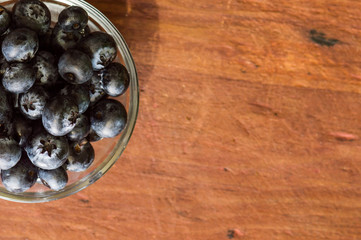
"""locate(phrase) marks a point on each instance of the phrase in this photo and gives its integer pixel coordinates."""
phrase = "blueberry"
(96, 91)
(21, 177)
(55, 179)
(73, 18)
(62, 40)
(46, 69)
(75, 67)
(10, 153)
(108, 118)
(46, 151)
(5, 19)
(32, 103)
(20, 45)
(18, 77)
(80, 157)
(100, 47)
(114, 79)
(60, 115)
(23, 129)
(93, 137)
(81, 129)
(80, 95)
(32, 14)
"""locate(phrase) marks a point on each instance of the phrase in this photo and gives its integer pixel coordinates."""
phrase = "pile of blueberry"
(54, 98)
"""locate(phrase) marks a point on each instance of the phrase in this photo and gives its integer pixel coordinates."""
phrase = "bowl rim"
(105, 165)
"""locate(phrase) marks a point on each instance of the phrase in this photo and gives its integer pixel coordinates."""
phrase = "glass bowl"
(107, 151)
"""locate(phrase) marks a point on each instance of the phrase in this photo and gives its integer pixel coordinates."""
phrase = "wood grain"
(249, 128)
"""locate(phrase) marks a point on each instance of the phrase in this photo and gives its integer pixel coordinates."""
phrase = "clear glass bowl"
(107, 151)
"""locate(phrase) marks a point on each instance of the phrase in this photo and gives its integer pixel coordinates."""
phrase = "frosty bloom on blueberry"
(57, 80)
(45, 69)
(21, 177)
(32, 14)
(18, 77)
(75, 67)
(55, 179)
(32, 103)
(100, 47)
(73, 18)
(20, 45)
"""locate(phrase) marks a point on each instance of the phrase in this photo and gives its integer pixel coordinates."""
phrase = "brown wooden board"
(249, 128)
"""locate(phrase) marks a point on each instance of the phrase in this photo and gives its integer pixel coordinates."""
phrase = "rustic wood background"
(249, 128)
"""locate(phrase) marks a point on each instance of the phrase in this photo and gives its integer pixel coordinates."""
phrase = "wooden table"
(249, 128)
